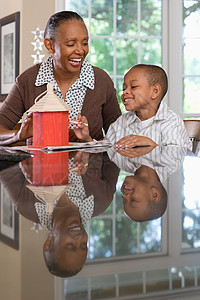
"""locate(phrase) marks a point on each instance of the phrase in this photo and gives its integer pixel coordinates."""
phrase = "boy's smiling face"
(137, 93)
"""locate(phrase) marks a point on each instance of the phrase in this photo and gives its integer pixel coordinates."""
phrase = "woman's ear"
(156, 91)
(49, 45)
(47, 243)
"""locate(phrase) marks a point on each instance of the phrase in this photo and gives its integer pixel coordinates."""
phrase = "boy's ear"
(49, 45)
(155, 194)
(156, 91)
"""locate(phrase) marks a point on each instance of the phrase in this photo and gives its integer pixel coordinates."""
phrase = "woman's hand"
(80, 163)
(26, 129)
(7, 136)
(134, 140)
(27, 169)
(81, 128)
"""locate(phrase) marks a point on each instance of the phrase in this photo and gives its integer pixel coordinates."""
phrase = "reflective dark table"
(83, 225)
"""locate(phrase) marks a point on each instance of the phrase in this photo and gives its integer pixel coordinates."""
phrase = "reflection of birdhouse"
(48, 194)
(50, 121)
(50, 168)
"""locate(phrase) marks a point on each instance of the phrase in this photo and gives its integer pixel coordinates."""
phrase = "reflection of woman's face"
(70, 238)
(70, 46)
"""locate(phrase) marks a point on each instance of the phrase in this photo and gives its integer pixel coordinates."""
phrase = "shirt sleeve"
(111, 134)
(176, 135)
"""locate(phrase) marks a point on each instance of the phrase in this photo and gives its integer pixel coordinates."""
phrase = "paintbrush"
(77, 122)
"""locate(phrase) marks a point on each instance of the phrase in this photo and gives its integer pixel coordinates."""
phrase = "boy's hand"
(135, 152)
(81, 128)
(134, 140)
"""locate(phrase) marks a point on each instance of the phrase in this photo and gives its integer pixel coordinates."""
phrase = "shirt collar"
(45, 74)
(161, 114)
(162, 111)
(86, 77)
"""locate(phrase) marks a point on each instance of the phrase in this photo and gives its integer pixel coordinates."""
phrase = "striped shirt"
(165, 128)
(164, 160)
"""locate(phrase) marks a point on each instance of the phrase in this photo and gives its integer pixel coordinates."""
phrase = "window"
(127, 32)
(190, 205)
(112, 235)
(191, 60)
(122, 34)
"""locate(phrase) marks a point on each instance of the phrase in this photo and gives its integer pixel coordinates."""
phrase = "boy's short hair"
(155, 74)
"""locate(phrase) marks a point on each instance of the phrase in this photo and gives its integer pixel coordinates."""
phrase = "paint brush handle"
(76, 122)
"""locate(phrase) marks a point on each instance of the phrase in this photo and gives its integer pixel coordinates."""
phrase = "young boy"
(148, 121)
(143, 195)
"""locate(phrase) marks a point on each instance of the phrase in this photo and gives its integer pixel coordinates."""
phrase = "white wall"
(15, 265)
(32, 14)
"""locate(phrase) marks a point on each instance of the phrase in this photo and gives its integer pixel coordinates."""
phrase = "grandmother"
(87, 89)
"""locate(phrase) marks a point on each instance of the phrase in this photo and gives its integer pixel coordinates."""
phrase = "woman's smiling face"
(70, 46)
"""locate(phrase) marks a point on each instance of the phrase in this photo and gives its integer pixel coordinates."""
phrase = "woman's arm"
(7, 136)
(24, 131)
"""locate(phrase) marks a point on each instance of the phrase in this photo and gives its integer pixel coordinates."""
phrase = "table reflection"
(110, 209)
(62, 192)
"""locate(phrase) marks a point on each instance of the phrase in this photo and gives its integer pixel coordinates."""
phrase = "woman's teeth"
(76, 60)
(74, 228)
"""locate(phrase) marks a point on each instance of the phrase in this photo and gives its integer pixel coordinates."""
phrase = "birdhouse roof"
(50, 102)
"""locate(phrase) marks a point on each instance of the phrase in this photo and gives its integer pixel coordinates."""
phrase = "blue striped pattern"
(164, 160)
(165, 128)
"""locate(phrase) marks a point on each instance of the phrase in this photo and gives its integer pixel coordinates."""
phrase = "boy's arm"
(134, 140)
(176, 135)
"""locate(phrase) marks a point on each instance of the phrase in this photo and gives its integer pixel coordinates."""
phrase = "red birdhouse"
(50, 121)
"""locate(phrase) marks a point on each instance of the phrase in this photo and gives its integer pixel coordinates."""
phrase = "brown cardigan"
(100, 105)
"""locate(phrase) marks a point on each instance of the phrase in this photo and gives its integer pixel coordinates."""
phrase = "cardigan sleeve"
(20, 98)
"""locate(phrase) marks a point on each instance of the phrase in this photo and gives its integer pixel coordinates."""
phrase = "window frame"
(172, 62)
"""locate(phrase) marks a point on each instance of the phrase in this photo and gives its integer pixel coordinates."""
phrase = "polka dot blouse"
(76, 93)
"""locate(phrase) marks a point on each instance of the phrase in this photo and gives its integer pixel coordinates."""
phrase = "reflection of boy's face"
(136, 90)
(136, 197)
